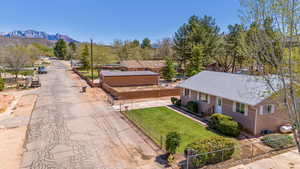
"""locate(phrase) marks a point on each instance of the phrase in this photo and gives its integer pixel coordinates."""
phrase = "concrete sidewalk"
(140, 105)
(288, 160)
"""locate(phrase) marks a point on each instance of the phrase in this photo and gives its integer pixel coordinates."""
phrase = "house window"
(204, 97)
(186, 92)
(240, 108)
(267, 109)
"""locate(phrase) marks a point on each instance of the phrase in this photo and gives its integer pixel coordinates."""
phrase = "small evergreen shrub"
(278, 141)
(173, 140)
(225, 125)
(178, 103)
(1, 84)
(192, 106)
(213, 145)
(174, 100)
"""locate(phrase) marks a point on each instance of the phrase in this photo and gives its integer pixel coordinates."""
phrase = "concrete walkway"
(288, 160)
(68, 131)
(144, 104)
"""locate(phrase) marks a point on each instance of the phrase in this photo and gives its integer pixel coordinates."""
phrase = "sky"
(107, 20)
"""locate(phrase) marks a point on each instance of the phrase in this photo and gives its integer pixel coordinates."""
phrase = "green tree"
(146, 43)
(197, 31)
(173, 141)
(60, 49)
(1, 84)
(196, 62)
(84, 57)
(169, 71)
(72, 50)
(234, 45)
(136, 43)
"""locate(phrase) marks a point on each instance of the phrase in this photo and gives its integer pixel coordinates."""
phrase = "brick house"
(128, 78)
(245, 98)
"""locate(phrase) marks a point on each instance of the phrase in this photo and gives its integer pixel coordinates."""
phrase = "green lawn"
(159, 121)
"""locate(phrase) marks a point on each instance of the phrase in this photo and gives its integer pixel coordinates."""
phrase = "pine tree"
(169, 71)
(60, 49)
(146, 43)
(84, 57)
(196, 62)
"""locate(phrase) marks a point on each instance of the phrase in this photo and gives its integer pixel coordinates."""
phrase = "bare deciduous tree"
(273, 43)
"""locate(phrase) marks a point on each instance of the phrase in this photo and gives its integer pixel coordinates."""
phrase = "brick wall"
(140, 94)
(123, 81)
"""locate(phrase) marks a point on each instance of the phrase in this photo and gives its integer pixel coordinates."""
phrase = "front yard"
(159, 121)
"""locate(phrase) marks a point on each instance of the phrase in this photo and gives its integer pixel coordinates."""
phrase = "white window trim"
(261, 112)
(234, 108)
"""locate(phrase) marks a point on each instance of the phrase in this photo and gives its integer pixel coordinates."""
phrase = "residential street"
(68, 131)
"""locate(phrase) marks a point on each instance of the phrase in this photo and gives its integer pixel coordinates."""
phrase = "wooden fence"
(140, 94)
(89, 82)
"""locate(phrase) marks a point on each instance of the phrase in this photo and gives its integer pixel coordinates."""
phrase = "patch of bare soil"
(12, 139)
(5, 101)
(11, 147)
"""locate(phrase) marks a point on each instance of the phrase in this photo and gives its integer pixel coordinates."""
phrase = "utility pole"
(92, 61)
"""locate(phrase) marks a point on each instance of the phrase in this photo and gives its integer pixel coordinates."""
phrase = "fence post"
(187, 158)
(222, 155)
(161, 142)
(251, 151)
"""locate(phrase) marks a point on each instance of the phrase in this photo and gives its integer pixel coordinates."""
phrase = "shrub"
(278, 141)
(173, 140)
(213, 145)
(192, 106)
(1, 84)
(225, 125)
(178, 103)
(174, 100)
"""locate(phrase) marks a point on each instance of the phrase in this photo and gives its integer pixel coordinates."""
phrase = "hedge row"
(220, 149)
(225, 125)
(278, 141)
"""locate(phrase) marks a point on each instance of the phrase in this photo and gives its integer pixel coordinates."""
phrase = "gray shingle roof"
(128, 73)
(246, 89)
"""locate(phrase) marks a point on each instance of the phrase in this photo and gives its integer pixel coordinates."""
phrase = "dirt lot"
(13, 133)
(5, 101)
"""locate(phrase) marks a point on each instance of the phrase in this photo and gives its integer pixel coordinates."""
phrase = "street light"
(92, 61)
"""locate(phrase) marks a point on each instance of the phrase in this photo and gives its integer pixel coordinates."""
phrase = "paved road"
(69, 132)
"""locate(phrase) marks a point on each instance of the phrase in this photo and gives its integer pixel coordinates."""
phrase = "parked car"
(42, 70)
(35, 82)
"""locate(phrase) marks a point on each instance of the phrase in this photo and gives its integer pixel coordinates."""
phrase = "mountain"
(9, 41)
(37, 35)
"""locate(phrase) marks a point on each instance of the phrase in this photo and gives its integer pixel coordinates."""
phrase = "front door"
(219, 105)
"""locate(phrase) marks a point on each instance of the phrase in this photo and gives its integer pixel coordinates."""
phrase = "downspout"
(255, 122)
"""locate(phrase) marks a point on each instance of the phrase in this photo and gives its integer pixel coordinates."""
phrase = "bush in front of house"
(192, 106)
(209, 151)
(174, 100)
(1, 84)
(225, 125)
(278, 141)
(178, 103)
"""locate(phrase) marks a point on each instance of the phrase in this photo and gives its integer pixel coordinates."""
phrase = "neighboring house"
(143, 65)
(128, 78)
(245, 98)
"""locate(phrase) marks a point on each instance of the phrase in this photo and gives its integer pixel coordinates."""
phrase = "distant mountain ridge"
(37, 35)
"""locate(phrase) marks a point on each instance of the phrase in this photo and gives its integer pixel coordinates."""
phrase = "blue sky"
(107, 20)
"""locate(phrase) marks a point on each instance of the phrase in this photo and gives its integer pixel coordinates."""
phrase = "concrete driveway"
(67, 131)
(288, 160)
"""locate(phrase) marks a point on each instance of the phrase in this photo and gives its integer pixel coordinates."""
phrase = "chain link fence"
(244, 152)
